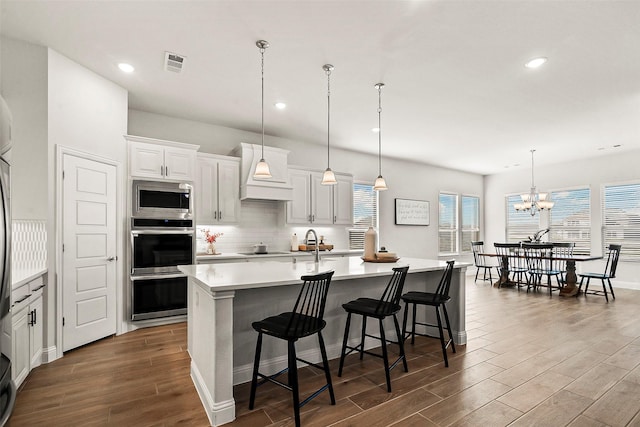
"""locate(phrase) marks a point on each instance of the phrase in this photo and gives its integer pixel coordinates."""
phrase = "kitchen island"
(224, 299)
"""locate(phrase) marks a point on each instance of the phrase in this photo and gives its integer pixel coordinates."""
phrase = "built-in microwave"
(164, 200)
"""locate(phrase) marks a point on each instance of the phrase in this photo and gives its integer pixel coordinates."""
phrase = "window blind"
(520, 225)
(448, 223)
(365, 213)
(621, 219)
(571, 219)
(470, 222)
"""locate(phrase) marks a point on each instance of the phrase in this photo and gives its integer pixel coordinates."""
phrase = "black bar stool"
(303, 321)
(437, 300)
(387, 305)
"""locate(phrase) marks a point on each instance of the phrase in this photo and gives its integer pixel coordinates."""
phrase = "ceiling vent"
(173, 62)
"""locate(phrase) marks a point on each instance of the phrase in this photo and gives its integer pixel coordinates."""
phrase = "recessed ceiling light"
(376, 130)
(280, 105)
(535, 62)
(127, 68)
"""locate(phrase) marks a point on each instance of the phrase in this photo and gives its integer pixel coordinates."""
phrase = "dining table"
(570, 287)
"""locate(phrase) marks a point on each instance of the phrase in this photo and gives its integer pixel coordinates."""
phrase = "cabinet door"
(35, 333)
(20, 346)
(321, 201)
(228, 191)
(206, 194)
(147, 160)
(343, 200)
(179, 164)
(299, 208)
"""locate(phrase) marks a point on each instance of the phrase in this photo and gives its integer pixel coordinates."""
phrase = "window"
(621, 219)
(365, 213)
(571, 219)
(520, 225)
(448, 223)
(470, 222)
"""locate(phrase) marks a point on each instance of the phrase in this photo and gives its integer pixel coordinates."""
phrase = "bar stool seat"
(387, 305)
(437, 300)
(305, 320)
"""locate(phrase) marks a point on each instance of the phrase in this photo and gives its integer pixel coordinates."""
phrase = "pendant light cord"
(532, 181)
(328, 70)
(262, 107)
(379, 130)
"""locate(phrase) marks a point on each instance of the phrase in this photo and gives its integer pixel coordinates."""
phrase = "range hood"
(278, 187)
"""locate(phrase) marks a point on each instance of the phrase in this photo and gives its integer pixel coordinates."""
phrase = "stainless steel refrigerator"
(7, 387)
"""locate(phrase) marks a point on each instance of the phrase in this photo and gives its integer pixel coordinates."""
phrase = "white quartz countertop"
(236, 276)
(235, 255)
(21, 276)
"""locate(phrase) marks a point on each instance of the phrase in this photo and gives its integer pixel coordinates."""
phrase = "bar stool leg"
(413, 325)
(611, 288)
(293, 381)
(444, 348)
(254, 378)
(446, 317)
(325, 364)
(400, 343)
(344, 343)
(404, 322)
(385, 358)
(604, 288)
(364, 330)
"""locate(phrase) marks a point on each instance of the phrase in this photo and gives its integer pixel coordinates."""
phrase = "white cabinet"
(26, 329)
(217, 189)
(157, 159)
(314, 203)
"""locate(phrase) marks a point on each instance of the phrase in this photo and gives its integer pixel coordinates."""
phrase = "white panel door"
(343, 200)
(89, 253)
(147, 160)
(321, 201)
(206, 197)
(179, 164)
(299, 208)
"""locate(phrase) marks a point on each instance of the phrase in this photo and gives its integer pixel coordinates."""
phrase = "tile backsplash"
(264, 221)
(28, 244)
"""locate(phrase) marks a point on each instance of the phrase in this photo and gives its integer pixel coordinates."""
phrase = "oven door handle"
(157, 276)
(138, 232)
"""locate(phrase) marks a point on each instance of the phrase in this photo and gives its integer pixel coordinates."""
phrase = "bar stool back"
(306, 319)
(387, 305)
(437, 300)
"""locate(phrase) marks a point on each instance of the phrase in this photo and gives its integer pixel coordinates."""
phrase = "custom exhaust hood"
(277, 187)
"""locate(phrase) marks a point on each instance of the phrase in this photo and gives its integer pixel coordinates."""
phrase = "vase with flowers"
(211, 238)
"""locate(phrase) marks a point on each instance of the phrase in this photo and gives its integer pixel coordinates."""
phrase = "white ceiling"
(457, 93)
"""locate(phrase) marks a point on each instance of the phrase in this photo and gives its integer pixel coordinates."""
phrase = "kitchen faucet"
(315, 236)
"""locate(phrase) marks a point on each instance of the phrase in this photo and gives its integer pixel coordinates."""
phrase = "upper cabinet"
(314, 203)
(217, 189)
(157, 159)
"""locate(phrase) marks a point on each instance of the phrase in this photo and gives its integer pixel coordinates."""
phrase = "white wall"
(405, 179)
(86, 113)
(614, 168)
(24, 87)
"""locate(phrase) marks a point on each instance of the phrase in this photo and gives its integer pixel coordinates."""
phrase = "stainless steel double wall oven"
(162, 238)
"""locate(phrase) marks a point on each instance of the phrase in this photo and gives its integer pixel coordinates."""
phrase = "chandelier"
(534, 201)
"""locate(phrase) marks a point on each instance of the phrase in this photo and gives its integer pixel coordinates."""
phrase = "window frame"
(525, 229)
(632, 252)
(461, 248)
(584, 249)
(455, 231)
(359, 230)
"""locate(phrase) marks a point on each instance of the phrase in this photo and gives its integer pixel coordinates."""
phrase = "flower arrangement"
(211, 237)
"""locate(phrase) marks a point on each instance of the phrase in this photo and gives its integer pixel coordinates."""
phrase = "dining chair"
(511, 252)
(388, 305)
(482, 262)
(437, 300)
(539, 259)
(562, 250)
(613, 254)
(305, 320)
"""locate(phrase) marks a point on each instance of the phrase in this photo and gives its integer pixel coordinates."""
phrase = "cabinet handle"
(22, 299)
(161, 170)
(220, 215)
(334, 219)
(39, 287)
(215, 215)
(166, 171)
(313, 218)
(32, 317)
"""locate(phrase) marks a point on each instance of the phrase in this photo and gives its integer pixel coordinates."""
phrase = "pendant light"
(380, 184)
(262, 168)
(534, 201)
(328, 178)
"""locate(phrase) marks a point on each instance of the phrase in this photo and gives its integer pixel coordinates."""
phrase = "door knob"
(111, 258)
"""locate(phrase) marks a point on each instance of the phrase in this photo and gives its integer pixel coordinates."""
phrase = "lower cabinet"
(26, 330)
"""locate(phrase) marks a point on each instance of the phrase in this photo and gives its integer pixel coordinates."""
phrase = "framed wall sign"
(412, 212)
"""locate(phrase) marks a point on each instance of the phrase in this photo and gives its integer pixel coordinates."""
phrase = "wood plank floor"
(530, 360)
